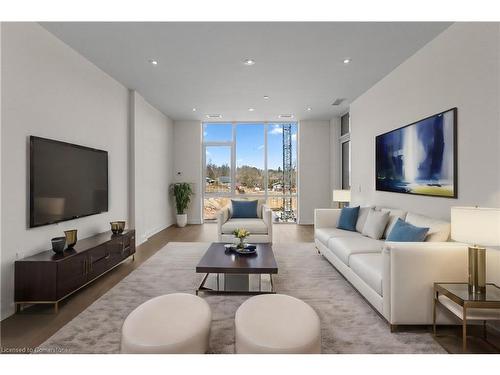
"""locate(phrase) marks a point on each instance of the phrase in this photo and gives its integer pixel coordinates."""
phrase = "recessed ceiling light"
(194, 109)
(347, 61)
(249, 62)
(309, 108)
(153, 61)
(251, 109)
(266, 97)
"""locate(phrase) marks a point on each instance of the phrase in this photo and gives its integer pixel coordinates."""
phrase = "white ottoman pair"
(174, 323)
(180, 323)
(277, 324)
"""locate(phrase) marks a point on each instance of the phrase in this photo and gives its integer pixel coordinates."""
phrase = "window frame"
(233, 165)
(345, 138)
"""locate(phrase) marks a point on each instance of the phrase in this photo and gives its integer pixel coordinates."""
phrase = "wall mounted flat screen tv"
(67, 181)
(420, 158)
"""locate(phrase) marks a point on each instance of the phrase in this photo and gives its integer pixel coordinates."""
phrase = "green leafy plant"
(182, 192)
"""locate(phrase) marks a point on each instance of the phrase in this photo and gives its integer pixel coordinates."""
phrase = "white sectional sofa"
(395, 277)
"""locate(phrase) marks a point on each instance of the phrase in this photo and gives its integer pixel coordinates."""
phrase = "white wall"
(314, 168)
(51, 91)
(153, 134)
(188, 163)
(459, 68)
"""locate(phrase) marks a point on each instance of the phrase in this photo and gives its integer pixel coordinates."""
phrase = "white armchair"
(261, 229)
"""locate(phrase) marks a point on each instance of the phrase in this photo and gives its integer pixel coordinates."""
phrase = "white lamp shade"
(341, 195)
(476, 225)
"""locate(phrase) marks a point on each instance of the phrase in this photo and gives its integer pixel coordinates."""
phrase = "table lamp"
(343, 197)
(480, 227)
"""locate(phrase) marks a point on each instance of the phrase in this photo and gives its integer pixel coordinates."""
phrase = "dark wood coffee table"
(227, 272)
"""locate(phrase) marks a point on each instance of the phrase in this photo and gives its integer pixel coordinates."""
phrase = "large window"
(253, 160)
(345, 151)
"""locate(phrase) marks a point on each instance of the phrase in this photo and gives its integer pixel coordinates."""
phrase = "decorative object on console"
(419, 158)
(348, 218)
(71, 237)
(58, 244)
(343, 197)
(182, 192)
(241, 234)
(481, 227)
(406, 232)
(117, 227)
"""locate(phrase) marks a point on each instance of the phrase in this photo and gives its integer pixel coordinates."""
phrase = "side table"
(466, 306)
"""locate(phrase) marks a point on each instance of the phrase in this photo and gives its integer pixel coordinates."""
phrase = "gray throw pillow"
(362, 215)
(375, 224)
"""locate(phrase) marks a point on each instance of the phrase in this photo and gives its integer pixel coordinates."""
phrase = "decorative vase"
(242, 244)
(58, 244)
(117, 227)
(181, 220)
(71, 237)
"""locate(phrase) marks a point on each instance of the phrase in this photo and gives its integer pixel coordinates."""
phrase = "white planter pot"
(182, 220)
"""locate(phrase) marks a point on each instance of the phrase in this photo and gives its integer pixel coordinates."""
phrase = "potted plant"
(241, 234)
(182, 192)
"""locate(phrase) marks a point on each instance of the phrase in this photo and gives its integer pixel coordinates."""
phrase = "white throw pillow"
(375, 224)
(439, 230)
(362, 215)
(394, 215)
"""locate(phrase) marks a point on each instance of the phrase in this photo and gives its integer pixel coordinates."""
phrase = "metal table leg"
(464, 329)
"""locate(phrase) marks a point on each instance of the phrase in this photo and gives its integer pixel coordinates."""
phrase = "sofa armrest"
(267, 216)
(222, 217)
(410, 270)
(326, 217)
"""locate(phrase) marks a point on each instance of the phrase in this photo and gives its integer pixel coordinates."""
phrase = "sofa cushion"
(375, 224)
(369, 268)
(254, 226)
(242, 209)
(406, 232)
(324, 234)
(439, 230)
(344, 247)
(394, 215)
(362, 215)
(348, 218)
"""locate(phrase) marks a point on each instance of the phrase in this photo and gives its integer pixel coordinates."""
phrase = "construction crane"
(287, 214)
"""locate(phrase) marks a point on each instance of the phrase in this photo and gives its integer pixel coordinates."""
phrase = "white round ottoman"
(173, 323)
(276, 324)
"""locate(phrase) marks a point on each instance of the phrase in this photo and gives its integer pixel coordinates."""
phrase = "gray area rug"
(348, 323)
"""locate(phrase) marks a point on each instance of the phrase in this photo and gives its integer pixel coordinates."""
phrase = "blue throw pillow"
(244, 209)
(406, 232)
(348, 218)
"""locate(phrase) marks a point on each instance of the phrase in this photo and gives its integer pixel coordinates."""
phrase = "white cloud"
(294, 137)
(260, 147)
(276, 129)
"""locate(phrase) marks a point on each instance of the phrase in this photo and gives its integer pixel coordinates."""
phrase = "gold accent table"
(466, 306)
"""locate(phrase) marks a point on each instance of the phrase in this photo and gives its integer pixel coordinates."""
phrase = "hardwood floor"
(37, 323)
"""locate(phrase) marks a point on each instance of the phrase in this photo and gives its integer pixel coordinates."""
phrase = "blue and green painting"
(419, 158)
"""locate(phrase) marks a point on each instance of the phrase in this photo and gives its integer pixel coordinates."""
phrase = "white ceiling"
(298, 65)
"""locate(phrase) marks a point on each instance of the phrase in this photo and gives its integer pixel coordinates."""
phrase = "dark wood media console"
(48, 277)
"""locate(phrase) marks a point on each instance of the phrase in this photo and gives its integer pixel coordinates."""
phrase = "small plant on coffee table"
(241, 234)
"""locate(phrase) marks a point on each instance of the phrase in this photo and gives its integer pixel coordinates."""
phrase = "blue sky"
(249, 144)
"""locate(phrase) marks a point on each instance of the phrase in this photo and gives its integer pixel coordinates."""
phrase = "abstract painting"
(419, 158)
